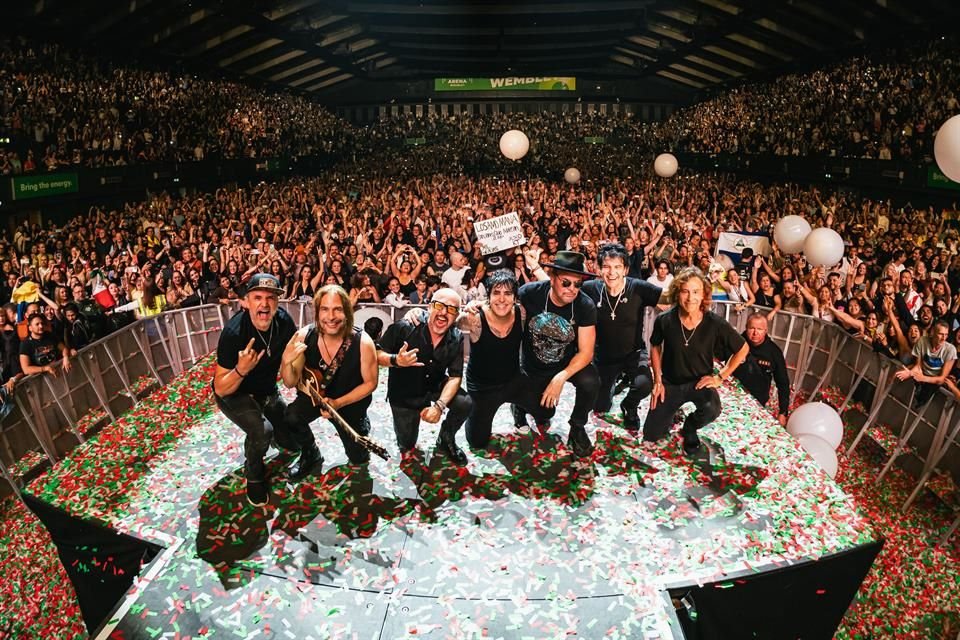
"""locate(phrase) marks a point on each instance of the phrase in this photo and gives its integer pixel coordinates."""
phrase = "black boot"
(447, 443)
(258, 492)
(579, 442)
(309, 461)
(630, 420)
(691, 441)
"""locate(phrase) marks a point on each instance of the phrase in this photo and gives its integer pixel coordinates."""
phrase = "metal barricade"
(109, 376)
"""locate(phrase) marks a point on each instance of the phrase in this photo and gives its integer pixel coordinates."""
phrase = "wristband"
(440, 404)
(393, 359)
(237, 371)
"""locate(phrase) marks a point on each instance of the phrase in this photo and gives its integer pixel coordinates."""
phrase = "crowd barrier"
(54, 414)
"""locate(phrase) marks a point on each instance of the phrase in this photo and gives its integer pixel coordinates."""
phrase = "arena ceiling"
(314, 46)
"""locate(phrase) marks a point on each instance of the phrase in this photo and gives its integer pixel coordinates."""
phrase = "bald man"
(426, 368)
(764, 363)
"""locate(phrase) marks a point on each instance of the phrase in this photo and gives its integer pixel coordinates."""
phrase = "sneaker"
(522, 429)
(258, 493)
(579, 442)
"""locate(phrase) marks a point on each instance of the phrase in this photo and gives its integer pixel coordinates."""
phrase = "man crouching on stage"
(426, 367)
(685, 340)
(342, 364)
(245, 383)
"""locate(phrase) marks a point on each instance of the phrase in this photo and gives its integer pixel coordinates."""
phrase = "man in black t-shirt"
(764, 363)
(245, 383)
(621, 305)
(558, 344)
(40, 350)
(685, 340)
(426, 367)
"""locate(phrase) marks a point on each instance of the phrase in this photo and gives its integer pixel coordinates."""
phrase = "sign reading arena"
(504, 84)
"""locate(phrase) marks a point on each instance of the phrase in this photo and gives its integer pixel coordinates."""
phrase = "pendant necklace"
(613, 307)
(268, 340)
(686, 338)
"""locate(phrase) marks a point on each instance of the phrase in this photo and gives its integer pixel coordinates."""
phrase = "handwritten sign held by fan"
(500, 233)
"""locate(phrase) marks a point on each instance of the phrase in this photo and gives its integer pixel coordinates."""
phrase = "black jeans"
(660, 419)
(528, 389)
(485, 406)
(641, 383)
(302, 412)
(406, 420)
(264, 420)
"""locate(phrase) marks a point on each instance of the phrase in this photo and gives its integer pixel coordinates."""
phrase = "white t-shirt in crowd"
(663, 284)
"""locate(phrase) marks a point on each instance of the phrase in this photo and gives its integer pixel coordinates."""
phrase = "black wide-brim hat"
(571, 262)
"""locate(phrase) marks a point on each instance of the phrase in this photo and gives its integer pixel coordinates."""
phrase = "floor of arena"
(521, 542)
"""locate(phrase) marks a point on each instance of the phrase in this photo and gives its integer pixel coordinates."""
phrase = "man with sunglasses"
(426, 367)
(558, 345)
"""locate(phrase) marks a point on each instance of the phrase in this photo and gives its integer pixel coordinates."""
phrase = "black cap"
(264, 282)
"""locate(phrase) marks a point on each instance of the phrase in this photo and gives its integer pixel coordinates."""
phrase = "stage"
(524, 542)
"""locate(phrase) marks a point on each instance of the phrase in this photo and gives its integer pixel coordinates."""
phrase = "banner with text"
(500, 233)
(40, 186)
(505, 84)
(935, 178)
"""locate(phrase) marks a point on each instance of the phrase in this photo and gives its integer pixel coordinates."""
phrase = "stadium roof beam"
(516, 8)
(249, 51)
(681, 79)
(272, 62)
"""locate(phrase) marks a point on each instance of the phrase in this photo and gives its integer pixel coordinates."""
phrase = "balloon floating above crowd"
(823, 247)
(821, 452)
(572, 175)
(946, 148)
(790, 233)
(665, 165)
(514, 144)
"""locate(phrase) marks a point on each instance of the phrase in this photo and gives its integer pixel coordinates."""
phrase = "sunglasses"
(449, 308)
(576, 284)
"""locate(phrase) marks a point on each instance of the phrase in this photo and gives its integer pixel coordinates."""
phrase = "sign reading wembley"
(500, 233)
(505, 84)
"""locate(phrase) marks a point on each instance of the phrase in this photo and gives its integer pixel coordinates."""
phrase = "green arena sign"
(505, 84)
(42, 186)
(935, 178)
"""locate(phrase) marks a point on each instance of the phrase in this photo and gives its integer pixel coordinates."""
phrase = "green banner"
(935, 178)
(594, 139)
(413, 142)
(41, 186)
(505, 84)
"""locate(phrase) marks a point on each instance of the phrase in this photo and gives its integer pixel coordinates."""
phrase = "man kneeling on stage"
(764, 363)
(340, 362)
(426, 367)
(245, 382)
(682, 348)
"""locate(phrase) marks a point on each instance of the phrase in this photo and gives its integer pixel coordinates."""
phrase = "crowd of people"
(398, 241)
(61, 108)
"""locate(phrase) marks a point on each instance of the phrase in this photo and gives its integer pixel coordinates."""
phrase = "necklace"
(267, 340)
(686, 338)
(613, 307)
(327, 353)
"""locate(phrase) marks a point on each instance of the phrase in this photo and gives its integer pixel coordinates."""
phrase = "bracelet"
(440, 404)
(393, 359)
(237, 371)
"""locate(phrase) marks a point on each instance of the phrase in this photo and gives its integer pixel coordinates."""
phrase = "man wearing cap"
(249, 354)
(557, 347)
(426, 367)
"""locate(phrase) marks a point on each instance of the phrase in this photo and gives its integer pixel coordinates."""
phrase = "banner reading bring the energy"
(505, 84)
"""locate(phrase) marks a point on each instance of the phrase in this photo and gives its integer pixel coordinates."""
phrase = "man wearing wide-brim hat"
(557, 347)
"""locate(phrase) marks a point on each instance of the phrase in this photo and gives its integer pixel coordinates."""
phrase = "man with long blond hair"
(343, 360)
(686, 338)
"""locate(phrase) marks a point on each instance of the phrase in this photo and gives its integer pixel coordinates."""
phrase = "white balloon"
(823, 247)
(665, 165)
(790, 233)
(725, 260)
(816, 419)
(514, 144)
(821, 452)
(946, 148)
(572, 175)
